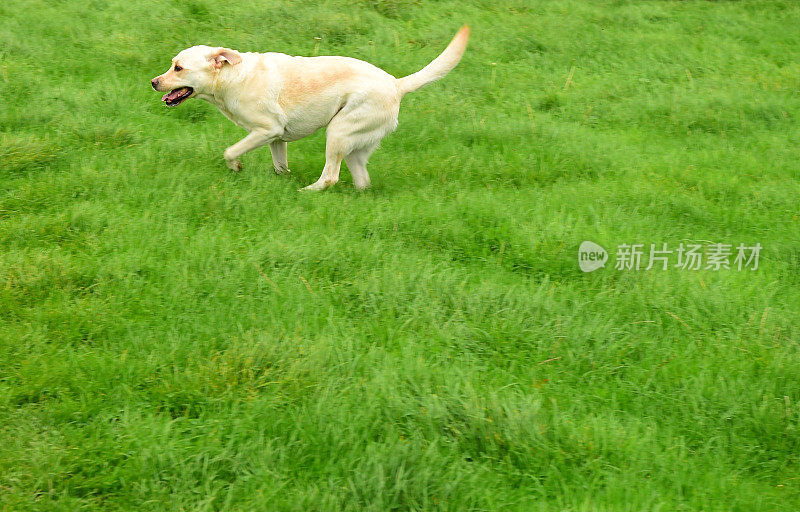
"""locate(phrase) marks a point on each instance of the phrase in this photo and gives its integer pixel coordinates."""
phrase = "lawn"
(178, 337)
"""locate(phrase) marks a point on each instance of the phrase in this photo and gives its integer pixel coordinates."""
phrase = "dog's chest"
(246, 114)
(227, 113)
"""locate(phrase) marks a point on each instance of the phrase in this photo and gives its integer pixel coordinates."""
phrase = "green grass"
(174, 336)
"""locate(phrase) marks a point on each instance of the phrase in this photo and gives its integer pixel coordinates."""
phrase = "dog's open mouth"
(177, 96)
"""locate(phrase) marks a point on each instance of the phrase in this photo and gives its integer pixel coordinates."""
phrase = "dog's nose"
(154, 83)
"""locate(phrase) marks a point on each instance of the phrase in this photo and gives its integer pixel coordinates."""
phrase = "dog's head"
(193, 71)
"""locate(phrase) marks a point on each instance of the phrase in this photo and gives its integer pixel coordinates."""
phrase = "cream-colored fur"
(278, 98)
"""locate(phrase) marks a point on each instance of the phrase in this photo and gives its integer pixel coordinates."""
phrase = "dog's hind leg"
(354, 133)
(280, 157)
(357, 164)
(334, 152)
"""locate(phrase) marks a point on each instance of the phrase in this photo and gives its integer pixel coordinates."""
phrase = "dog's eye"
(178, 68)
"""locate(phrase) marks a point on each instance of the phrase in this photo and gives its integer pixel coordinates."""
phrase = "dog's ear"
(223, 55)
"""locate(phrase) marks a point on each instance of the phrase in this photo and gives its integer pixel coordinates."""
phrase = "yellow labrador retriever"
(278, 98)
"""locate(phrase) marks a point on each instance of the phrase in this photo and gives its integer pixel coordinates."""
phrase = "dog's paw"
(234, 165)
(313, 187)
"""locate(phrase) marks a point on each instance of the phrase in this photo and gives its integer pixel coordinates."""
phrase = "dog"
(280, 98)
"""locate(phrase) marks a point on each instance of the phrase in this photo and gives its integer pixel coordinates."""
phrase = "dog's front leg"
(280, 157)
(254, 139)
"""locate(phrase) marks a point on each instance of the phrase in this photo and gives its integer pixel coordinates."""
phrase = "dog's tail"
(439, 67)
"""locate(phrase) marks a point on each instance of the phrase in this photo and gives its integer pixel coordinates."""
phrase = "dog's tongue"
(172, 95)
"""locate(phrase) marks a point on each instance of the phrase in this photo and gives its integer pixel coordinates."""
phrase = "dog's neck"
(222, 93)
(223, 85)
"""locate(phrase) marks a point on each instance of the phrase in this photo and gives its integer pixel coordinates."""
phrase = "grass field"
(175, 336)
